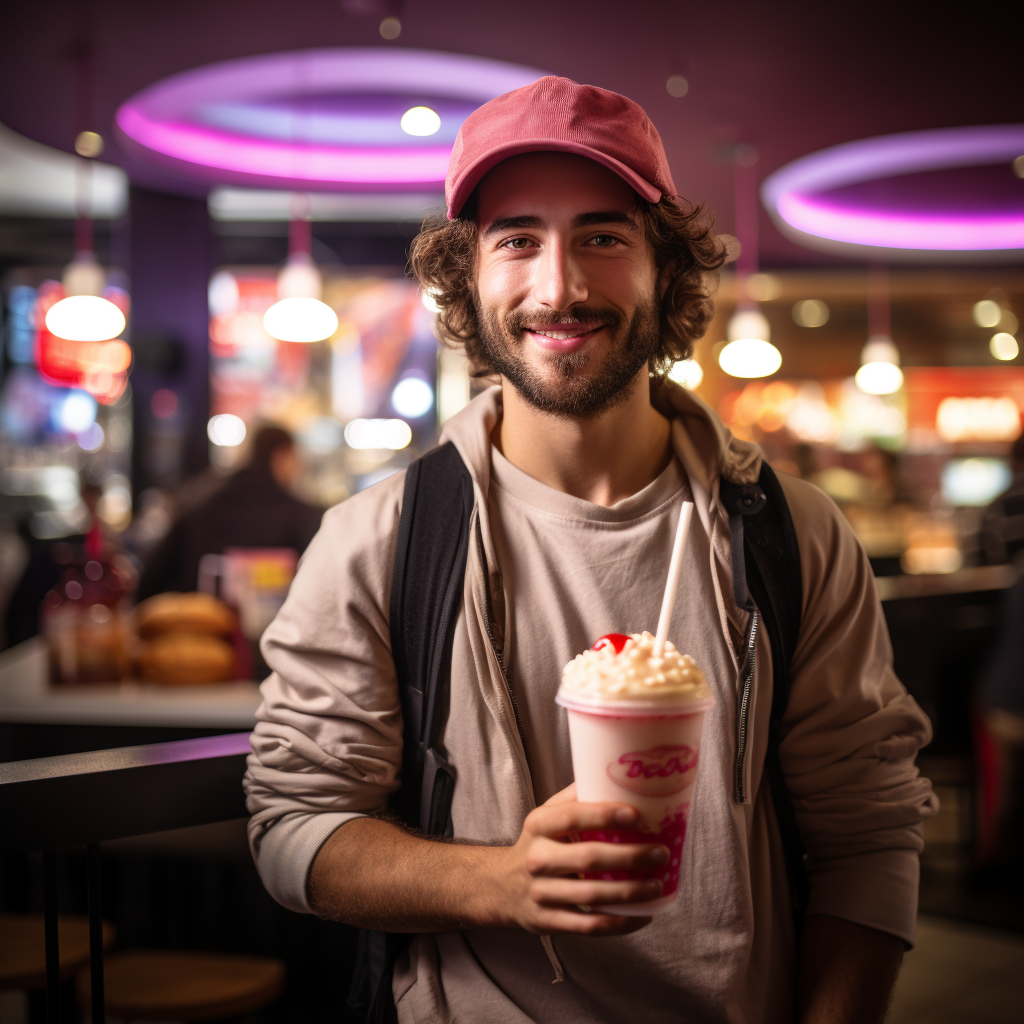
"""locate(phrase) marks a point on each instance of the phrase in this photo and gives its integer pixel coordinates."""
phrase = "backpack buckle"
(744, 499)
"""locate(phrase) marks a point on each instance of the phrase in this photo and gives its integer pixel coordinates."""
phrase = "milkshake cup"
(635, 724)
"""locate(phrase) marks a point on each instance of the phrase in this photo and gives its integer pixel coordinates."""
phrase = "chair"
(170, 985)
(23, 948)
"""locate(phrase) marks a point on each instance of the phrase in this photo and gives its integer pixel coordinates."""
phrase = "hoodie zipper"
(744, 711)
(494, 643)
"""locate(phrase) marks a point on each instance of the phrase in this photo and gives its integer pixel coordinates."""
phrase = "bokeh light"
(378, 433)
(85, 318)
(987, 313)
(687, 372)
(763, 287)
(77, 412)
(879, 378)
(164, 404)
(677, 85)
(412, 397)
(1004, 346)
(810, 313)
(421, 121)
(91, 439)
(300, 319)
(750, 357)
(89, 144)
(226, 430)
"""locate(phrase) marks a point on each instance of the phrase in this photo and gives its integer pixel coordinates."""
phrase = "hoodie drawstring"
(549, 948)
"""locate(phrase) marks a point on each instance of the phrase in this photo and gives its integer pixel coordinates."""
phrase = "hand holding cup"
(547, 891)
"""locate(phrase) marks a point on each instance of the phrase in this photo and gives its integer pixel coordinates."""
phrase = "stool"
(23, 948)
(151, 984)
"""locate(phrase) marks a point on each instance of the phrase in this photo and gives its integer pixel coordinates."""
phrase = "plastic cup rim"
(634, 708)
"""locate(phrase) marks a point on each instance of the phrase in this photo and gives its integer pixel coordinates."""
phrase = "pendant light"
(299, 315)
(749, 352)
(84, 314)
(879, 372)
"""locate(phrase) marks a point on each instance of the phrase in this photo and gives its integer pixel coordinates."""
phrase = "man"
(252, 508)
(568, 267)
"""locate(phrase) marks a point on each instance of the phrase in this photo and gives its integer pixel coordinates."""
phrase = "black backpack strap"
(766, 575)
(426, 594)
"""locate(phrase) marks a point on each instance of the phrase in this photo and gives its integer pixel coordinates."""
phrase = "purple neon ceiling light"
(797, 196)
(172, 122)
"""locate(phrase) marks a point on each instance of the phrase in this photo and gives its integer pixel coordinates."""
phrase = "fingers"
(560, 892)
(547, 857)
(569, 816)
(566, 920)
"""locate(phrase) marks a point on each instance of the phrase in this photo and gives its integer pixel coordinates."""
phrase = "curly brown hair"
(686, 254)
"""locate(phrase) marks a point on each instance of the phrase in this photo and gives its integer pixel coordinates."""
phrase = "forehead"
(552, 186)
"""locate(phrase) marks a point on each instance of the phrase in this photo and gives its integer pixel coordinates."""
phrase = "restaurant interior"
(205, 215)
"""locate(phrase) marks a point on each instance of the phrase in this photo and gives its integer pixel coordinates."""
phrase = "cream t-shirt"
(572, 572)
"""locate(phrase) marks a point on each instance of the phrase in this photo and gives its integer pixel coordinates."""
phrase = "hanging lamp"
(299, 314)
(749, 352)
(84, 314)
(879, 372)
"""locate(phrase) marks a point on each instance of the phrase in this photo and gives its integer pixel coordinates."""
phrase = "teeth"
(561, 335)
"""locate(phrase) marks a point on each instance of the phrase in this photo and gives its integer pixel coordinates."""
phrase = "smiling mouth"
(563, 337)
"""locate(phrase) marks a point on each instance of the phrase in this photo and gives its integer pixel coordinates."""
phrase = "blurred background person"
(251, 508)
(1002, 524)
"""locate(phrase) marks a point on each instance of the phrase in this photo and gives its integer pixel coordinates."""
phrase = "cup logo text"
(659, 771)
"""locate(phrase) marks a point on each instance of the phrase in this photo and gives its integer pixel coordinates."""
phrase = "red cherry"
(616, 640)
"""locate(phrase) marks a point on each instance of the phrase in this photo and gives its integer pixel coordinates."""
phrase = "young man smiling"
(568, 268)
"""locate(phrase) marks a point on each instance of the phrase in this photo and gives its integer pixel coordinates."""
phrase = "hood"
(704, 444)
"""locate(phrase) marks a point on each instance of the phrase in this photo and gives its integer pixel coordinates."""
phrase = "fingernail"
(625, 815)
(658, 856)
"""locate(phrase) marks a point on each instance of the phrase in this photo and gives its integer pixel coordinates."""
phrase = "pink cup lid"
(668, 708)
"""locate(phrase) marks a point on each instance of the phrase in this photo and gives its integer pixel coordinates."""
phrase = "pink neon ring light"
(793, 196)
(163, 123)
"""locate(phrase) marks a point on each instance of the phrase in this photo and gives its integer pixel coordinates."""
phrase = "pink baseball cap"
(561, 115)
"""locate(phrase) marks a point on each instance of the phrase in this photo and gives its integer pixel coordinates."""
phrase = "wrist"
(487, 898)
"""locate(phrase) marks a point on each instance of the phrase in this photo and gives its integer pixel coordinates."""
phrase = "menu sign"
(966, 404)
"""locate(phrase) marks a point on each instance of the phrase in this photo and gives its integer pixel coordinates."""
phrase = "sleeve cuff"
(876, 889)
(285, 852)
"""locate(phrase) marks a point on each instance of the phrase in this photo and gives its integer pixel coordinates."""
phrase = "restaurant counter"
(942, 629)
(38, 719)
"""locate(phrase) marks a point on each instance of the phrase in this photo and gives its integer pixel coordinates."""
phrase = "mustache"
(519, 320)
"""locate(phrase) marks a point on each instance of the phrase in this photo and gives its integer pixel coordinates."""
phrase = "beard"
(567, 389)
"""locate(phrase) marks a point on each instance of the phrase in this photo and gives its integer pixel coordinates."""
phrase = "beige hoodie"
(327, 747)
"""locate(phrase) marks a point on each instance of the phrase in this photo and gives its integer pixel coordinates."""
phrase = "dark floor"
(960, 974)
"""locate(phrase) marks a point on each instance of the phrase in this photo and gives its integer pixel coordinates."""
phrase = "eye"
(515, 243)
(604, 241)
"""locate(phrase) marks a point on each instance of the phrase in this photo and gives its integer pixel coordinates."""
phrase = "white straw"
(672, 585)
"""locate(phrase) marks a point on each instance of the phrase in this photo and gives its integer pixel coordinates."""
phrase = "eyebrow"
(581, 220)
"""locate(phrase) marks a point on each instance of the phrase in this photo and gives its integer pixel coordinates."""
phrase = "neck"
(602, 460)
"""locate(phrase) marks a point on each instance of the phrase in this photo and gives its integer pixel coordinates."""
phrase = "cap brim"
(471, 176)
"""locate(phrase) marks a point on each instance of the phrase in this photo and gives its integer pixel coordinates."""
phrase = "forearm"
(373, 874)
(847, 972)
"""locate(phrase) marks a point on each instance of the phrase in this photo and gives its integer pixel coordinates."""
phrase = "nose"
(558, 282)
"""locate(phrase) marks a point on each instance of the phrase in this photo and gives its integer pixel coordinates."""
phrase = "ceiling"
(788, 78)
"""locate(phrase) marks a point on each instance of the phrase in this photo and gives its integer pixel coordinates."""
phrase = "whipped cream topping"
(635, 673)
